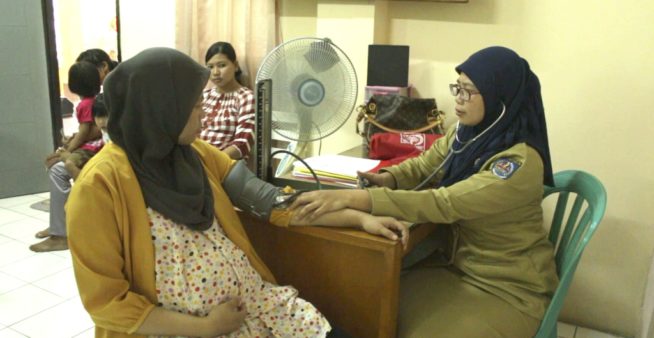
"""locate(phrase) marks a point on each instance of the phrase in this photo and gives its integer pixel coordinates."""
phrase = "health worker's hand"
(384, 179)
(388, 227)
(312, 204)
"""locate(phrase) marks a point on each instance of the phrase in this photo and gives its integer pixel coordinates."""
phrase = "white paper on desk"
(339, 164)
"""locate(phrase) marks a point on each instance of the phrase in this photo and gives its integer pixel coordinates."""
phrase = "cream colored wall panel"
(298, 18)
(145, 24)
(351, 27)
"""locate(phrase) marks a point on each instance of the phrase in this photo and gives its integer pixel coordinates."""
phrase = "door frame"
(53, 66)
(53, 71)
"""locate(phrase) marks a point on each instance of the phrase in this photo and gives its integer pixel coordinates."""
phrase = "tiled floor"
(38, 296)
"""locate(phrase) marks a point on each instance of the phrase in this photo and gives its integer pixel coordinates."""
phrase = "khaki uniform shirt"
(502, 246)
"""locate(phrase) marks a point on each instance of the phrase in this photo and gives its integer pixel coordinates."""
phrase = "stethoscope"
(451, 151)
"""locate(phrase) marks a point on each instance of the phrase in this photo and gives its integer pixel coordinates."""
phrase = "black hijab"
(504, 79)
(150, 98)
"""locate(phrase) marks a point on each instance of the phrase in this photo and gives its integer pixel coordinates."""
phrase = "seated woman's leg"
(59, 190)
(435, 302)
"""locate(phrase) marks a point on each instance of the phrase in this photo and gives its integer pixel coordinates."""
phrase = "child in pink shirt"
(83, 80)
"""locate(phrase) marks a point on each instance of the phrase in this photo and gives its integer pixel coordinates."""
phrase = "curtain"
(251, 26)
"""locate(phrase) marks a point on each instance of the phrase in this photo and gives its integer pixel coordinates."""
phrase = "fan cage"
(314, 88)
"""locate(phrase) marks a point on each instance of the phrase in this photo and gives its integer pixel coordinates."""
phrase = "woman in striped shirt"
(229, 106)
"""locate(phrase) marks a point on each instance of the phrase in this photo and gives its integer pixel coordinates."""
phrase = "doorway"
(75, 26)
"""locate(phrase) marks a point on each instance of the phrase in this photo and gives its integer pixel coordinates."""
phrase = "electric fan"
(306, 90)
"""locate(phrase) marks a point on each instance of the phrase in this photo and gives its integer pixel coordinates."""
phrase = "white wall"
(359, 32)
(145, 24)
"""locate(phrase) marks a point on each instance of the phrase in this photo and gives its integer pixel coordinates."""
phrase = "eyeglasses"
(461, 92)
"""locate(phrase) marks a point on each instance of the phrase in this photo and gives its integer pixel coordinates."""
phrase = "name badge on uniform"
(504, 168)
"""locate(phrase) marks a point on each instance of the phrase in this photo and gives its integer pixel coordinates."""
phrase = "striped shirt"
(229, 119)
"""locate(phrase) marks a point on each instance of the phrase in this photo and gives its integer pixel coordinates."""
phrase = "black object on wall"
(388, 65)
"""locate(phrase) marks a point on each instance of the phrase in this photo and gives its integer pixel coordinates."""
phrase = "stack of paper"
(334, 168)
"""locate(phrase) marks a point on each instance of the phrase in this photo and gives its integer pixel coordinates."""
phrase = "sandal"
(43, 234)
(54, 243)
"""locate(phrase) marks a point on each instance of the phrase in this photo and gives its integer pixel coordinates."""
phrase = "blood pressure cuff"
(251, 194)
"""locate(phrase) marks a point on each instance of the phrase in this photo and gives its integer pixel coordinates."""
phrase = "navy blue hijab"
(504, 80)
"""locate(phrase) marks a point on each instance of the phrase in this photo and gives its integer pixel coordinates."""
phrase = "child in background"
(100, 59)
(66, 162)
(101, 117)
(83, 80)
(74, 162)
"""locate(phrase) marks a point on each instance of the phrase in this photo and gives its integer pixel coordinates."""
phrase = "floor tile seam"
(36, 314)
(79, 333)
(13, 205)
(6, 208)
(3, 223)
(18, 332)
(17, 287)
(12, 262)
(46, 223)
(5, 236)
(28, 215)
(36, 217)
(58, 295)
(65, 297)
(14, 330)
(32, 283)
(36, 240)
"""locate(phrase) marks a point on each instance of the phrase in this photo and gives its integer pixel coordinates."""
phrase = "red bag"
(394, 148)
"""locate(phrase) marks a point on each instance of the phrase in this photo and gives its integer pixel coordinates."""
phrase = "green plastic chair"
(570, 241)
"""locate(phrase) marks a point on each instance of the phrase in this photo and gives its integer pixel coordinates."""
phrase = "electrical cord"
(313, 173)
(319, 137)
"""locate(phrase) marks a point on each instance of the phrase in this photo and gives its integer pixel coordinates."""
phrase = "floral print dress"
(197, 270)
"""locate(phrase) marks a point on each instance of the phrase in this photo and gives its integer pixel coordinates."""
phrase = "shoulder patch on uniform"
(504, 168)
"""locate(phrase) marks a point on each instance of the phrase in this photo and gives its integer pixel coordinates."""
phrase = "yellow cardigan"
(110, 241)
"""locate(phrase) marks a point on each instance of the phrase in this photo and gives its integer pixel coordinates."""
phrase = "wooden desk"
(350, 276)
